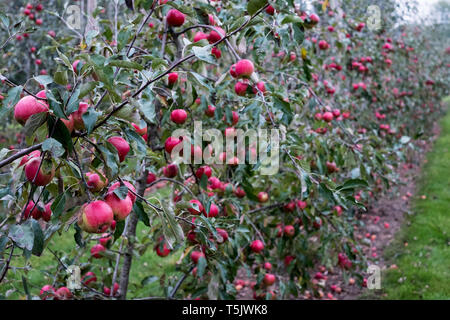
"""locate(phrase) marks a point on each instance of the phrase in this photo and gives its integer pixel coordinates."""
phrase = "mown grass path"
(422, 247)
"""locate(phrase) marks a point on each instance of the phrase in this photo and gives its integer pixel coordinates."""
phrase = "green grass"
(424, 264)
(42, 269)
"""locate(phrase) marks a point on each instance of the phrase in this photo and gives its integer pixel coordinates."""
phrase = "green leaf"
(112, 159)
(121, 192)
(55, 104)
(87, 88)
(126, 64)
(74, 102)
(38, 243)
(44, 80)
(22, 235)
(254, 5)
(54, 147)
(353, 184)
(204, 54)
(148, 280)
(78, 237)
(138, 208)
(120, 226)
(147, 107)
(58, 205)
(11, 100)
(201, 267)
(34, 122)
(60, 133)
(61, 76)
(25, 288)
(90, 118)
(134, 136)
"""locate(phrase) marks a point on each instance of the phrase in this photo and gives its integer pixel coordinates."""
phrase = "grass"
(422, 247)
(42, 269)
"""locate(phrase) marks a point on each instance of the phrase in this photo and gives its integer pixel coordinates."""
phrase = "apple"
(195, 210)
(63, 293)
(77, 65)
(46, 292)
(223, 233)
(327, 116)
(289, 231)
(240, 88)
(260, 86)
(131, 189)
(96, 251)
(210, 111)
(28, 106)
(178, 116)
(170, 171)
(105, 240)
(216, 52)
(214, 36)
(139, 130)
(323, 45)
(161, 249)
(269, 279)
(257, 246)
(290, 207)
(95, 217)
(213, 211)
(233, 71)
(95, 182)
(244, 68)
(173, 77)
(239, 192)
(88, 278)
(170, 143)
(196, 255)
(77, 116)
(175, 18)
(270, 10)
(288, 260)
(107, 290)
(120, 207)
(47, 214)
(268, 266)
(200, 36)
(263, 197)
(39, 7)
(121, 145)
(40, 175)
(33, 154)
(38, 21)
(151, 177)
(36, 214)
(203, 170)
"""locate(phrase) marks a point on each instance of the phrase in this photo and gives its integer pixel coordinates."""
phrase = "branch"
(20, 154)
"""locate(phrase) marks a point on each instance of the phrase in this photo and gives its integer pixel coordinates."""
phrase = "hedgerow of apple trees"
(90, 114)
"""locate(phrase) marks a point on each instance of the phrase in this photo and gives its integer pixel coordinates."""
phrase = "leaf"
(111, 157)
(138, 208)
(74, 102)
(90, 118)
(201, 266)
(3, 241)
(204, 54)
(13, 97)
(44, 80)
(60, 133)
(22, 235)
(147, 107)
(254, 5)
(120, 226)
(134, 136)
(25, 287)
(34, 122)
(201, 81)
(38, 243)
(121, 192)
(126, 64)
(353, 184)
(86, 88)
(78, 237)
(58, 205)
(54, 147)
(56, 105)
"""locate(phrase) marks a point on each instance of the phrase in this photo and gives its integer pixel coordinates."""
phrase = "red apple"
(175, 18)
(178, 116)
(121, 145)
(195, 210)
(244, 68)
(40, 175)
(170, 171)
(196, 255)
(257, 246)
(96, 251)
(120, 207)
(263, 197)
(95, 217)
(28, 106)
